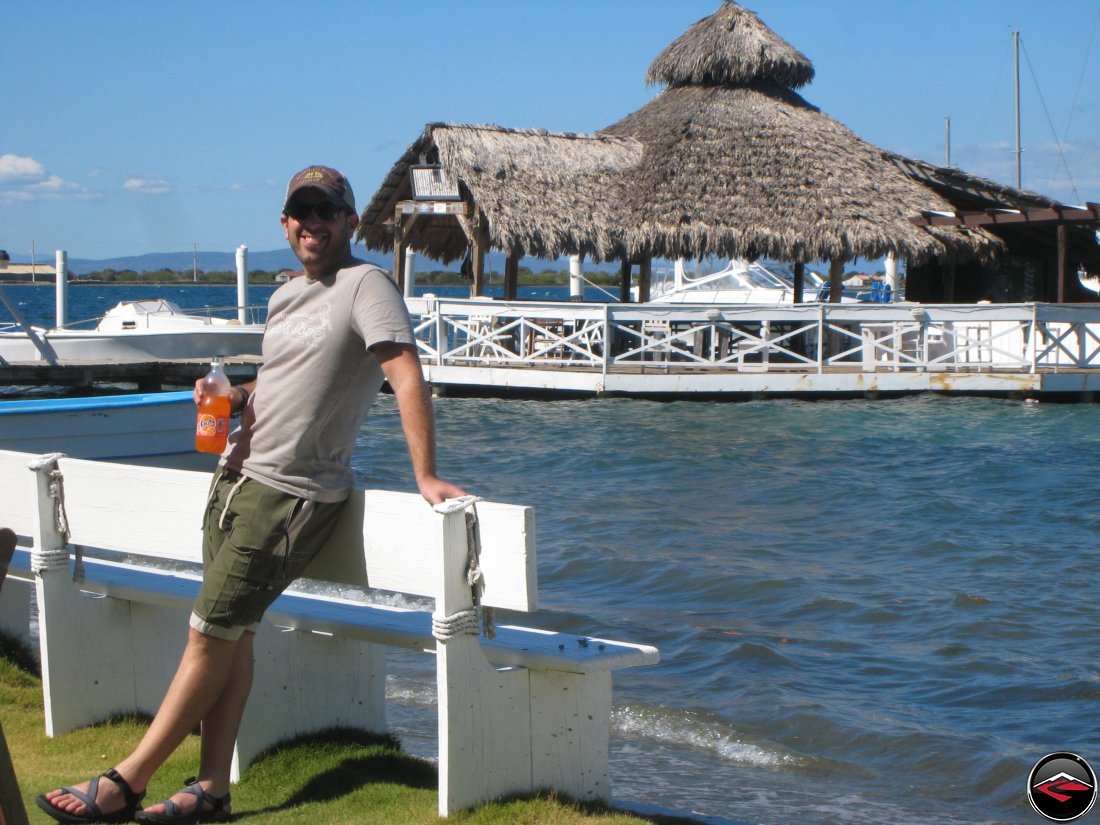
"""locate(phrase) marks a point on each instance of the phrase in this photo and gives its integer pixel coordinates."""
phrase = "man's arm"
(401, 366)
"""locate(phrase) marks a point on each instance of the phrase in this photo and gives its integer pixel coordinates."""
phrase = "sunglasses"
(325, 211)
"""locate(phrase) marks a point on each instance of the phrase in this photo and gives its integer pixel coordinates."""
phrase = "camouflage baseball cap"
(325, 179)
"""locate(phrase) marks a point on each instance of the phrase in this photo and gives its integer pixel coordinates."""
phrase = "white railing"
(1015, 338)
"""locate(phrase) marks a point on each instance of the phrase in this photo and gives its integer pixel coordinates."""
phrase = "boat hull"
(142, 428)
(134, 345)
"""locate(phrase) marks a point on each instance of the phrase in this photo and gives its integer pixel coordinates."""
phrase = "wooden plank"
(149, 511)
(17, 509)
(384, 539)
(387, 540)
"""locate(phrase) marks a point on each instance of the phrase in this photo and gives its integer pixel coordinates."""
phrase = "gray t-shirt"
(318, 380)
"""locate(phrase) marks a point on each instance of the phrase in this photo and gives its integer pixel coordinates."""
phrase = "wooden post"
(511, 276)
(644, 271)
(836, 286)
(481, 239)
(398, 249)
(624, 281)
(799, 281)
(949, 281)
(1063, 255)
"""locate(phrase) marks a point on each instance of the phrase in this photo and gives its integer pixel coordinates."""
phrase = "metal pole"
(410, 272)
(576, 278)
(947, 136)
(61, 286)
(1016, 63)
(242, 284)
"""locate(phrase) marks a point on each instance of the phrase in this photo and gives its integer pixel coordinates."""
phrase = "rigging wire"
(1057, 142)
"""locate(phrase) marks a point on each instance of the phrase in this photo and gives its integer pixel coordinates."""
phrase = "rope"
(54, 558)
(462, 623)
(471, 621)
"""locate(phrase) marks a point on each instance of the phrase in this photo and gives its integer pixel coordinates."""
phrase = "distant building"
(19, 273)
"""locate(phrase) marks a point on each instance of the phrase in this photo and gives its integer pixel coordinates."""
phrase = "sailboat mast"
(1016, 97)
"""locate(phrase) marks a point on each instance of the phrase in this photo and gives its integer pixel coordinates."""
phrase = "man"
(331, 337)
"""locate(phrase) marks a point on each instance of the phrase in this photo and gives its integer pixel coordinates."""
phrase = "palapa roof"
(727, 160)
(731, 47)
(544, 193)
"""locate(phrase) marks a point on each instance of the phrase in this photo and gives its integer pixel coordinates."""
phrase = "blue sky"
(132, 127)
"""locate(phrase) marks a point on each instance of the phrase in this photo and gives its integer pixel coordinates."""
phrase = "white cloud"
(147, 186)
(17, 168)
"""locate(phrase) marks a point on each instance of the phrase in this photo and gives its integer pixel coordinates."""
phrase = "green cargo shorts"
(256, 541)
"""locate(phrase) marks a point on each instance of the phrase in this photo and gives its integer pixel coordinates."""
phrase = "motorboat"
(132, 330)
(738, 282)
(138, 428)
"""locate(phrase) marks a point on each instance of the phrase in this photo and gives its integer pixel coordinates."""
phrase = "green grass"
(336, 778)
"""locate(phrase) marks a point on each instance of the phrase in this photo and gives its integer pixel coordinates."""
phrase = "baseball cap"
(325, 179)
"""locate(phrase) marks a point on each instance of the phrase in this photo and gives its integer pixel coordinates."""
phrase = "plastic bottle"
(212, 422)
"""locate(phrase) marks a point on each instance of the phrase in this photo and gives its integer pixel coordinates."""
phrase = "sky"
(137, 127)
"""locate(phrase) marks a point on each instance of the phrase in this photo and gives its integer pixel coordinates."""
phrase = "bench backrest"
(385, 540)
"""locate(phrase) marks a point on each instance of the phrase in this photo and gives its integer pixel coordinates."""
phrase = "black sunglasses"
(325, 210)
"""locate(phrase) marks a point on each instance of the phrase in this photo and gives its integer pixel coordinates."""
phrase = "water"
(868, 611)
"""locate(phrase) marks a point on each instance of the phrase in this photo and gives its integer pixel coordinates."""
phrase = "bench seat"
(513, 646)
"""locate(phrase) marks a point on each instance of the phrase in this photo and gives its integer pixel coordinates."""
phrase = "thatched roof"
(726, 161)
(732, 46)
(755, 171)
(544, 193)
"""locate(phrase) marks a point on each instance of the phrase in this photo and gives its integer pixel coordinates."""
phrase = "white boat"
(132, 330)
(136, 428)
(738, 282)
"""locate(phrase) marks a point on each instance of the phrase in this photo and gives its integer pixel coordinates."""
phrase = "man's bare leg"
(219, 730)
(202, 679)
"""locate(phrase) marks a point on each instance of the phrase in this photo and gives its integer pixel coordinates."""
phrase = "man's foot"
(191, 805)
(93, 801)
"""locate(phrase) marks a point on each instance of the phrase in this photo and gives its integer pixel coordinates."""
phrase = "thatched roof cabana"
(738, 164)
(544, 193)
(728, 160)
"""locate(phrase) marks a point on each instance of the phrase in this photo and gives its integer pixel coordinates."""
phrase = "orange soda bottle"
(212, 422)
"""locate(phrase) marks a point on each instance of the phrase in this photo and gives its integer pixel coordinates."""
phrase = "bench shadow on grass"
(380, 759)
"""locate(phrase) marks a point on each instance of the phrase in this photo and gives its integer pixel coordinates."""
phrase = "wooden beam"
(645, 269)
(836, 271)
(799, 281)
(511, 276)
(949, 280)
(481, 242)
(399, 248)
(1084, 215)
(1063, 260)
(624, 281)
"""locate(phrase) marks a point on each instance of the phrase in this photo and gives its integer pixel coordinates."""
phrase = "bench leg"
(101, 656)
(518, 731)
(570, 733)
(308, 682)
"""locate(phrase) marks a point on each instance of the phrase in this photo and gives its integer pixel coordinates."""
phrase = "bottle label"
(209, 425)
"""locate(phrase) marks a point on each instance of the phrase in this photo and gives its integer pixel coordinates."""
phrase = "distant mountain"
(276, 260)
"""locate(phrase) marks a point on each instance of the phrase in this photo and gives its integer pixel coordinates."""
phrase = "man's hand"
(436, 490)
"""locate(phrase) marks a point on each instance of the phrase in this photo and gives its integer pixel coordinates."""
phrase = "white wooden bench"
(524, 711)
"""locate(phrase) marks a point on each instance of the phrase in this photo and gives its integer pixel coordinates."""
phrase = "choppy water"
(868, 611)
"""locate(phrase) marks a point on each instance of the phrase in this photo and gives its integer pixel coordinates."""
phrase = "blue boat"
(142, 428)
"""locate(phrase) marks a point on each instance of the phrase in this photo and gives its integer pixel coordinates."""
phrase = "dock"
(816, 350)
(149, 375)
